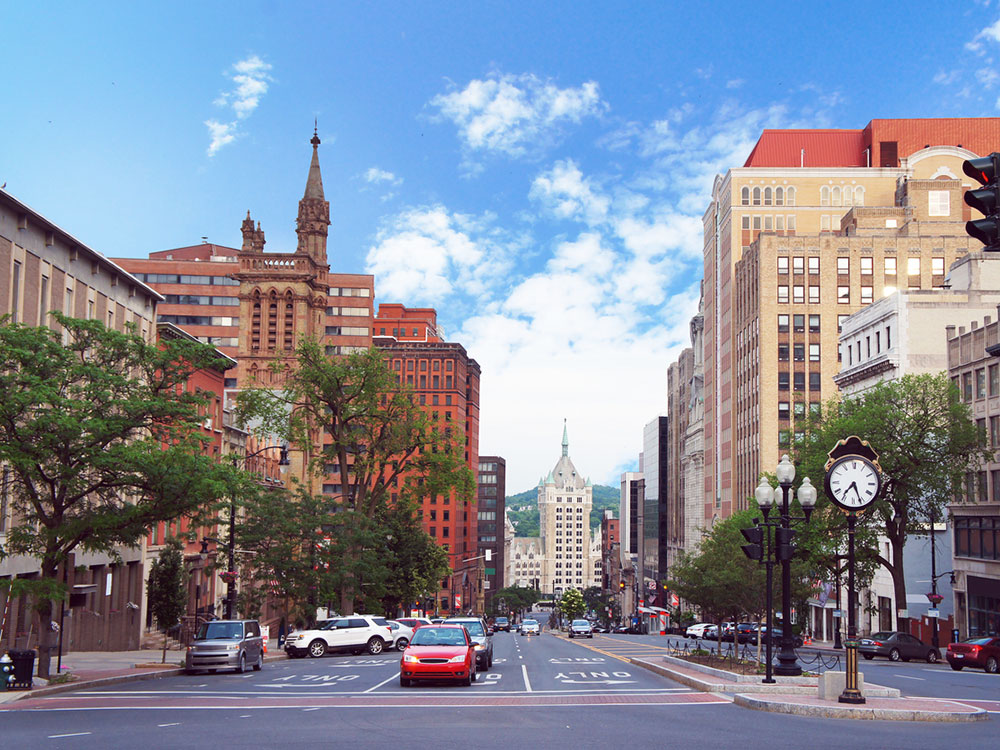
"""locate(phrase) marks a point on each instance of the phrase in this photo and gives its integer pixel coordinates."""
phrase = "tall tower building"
(807, 215)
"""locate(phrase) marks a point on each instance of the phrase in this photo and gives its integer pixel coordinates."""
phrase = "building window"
(867, 266)
(800, 352)
(782, 294)
(843, 266)
(799, 323)
(937, 266)
(814, 264)
(782, 324)
(782, 264)
(745, 196)
(782, 381)
(890, 266)
(782, 352)
(938, 203)
(798, 264)
(981, 383)
(814, 352)
(814, 324)
(814, 381)
(814, 294)
(782, 410)
(994, 379)
(800, 381)
(866, 295)
(840, 322)
(843, 295)
(798, 294)
(967, 387)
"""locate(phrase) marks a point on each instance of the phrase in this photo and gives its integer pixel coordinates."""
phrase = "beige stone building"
(563, 556)
(825, 202)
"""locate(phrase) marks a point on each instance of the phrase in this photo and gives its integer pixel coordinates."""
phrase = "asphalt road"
(579, 693)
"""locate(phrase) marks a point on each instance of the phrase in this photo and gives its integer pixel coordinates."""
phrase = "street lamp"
(230, 575)
(787, 662)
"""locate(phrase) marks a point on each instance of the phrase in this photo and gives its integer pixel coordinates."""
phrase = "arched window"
(859, 196)
(756, 196)
(779, 196)
(272, 321)
(255, 322)
(745, 196)
(790, 197)
(824, 196)
(848, 195)
(289, 328)
(835, 196)
(768, 196)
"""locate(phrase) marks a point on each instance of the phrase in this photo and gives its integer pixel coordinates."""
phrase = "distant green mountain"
(522, 508)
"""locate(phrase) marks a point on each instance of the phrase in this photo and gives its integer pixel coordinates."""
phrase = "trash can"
(24, 668)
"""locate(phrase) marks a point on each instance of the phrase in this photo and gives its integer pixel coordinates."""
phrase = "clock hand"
(853, 486)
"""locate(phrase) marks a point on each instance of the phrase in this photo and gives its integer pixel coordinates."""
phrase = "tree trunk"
(164, 659)
(46, 638)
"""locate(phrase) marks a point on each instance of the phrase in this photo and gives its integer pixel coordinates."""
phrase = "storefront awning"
(647, 611)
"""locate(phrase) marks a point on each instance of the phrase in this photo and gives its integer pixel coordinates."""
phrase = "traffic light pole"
(769, 596)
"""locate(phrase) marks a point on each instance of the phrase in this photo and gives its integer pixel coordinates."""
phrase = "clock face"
(853, 482)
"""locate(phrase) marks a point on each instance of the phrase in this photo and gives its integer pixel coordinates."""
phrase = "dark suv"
(501, 623)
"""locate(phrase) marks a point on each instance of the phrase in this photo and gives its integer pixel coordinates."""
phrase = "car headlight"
(480, 647)
(457, 659)
(410, 659)
(232, 647)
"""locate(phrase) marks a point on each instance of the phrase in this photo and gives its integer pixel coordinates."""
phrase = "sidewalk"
(98, 668)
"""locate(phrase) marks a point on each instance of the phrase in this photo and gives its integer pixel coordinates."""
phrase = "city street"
(540, 689)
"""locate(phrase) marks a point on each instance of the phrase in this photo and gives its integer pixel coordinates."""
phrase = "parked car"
(414, 622)
(226, 644)
(482, 636)
(599, 628)
(698, 630)
(439, 652)
(897, 647)
(401, 634)
(745, 632)
(530, 627)
(501, 623)
(982, 652)
(581, 629)
(621, 629)
(355, 634)
(776, 636)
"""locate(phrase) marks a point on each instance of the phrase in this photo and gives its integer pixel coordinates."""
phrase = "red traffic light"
(983, 170)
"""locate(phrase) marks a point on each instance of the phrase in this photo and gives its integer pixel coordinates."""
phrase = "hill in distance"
(522, 508)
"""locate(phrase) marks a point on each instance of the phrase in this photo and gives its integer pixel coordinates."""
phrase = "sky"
(535, 171)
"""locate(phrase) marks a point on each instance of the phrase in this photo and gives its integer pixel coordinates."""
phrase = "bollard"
(6, 671)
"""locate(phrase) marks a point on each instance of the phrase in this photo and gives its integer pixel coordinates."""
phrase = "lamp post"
(230, 575)
(787, 661)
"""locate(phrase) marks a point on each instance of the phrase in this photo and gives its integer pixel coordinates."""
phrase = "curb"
(839, 711)
(152, 674)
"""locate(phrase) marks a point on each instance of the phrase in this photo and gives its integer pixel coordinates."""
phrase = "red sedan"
(439, 652)
(981, 652)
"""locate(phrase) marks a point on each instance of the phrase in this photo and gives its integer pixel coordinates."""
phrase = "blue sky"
(535, 171)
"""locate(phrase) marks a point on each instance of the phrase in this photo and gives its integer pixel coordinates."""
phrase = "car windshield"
(883, 636)
(431, 636)
(979, 641)
(220, 630)
(584, 623)
(530, 622)
(474, 627)
(502, 620)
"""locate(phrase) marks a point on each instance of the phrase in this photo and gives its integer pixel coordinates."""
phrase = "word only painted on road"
(577, 660)
(603, 678)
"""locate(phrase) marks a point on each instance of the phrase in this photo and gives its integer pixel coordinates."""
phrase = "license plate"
(959, 656)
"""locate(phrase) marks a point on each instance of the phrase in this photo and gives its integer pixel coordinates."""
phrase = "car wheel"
(957, 667)
(375, 645)
(317, 648)
(932, 656)
(868, 657)
(259, 664)
(241, 666)
(489, 662)
(470, 677)
(401, 644)
(894, 654)
(991, 665)
(403, 682)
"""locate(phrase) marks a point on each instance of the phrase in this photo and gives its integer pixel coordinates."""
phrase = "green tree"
(927, 445)
(166, 588)
(518, 598)
(103, 440)
(572, 604)
(379, 437)
(413, 561)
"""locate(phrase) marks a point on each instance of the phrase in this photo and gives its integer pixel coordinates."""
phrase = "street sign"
(933, 613)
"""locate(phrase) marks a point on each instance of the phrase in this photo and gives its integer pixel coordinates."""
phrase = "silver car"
(530, 627)
(581, 629)
(226, 644)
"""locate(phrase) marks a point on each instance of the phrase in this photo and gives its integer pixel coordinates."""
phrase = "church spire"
(314, 212)
(565, 439)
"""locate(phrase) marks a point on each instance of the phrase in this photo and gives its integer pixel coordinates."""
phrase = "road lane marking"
(73, 734)
(376, 687)
(171, 724)
(907, 677)
(527, 683)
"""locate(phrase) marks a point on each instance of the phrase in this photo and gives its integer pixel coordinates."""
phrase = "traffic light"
(784, 549)
(621, 585)
(755, 536)
(986, 199)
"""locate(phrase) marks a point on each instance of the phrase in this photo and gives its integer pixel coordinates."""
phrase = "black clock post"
(853, 482)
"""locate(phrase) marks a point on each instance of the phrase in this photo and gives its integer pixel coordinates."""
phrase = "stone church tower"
(283, 297)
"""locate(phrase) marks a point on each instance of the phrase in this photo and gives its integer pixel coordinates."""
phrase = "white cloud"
(516, 115)
(251, 79)
(375, 176)
(565, 192)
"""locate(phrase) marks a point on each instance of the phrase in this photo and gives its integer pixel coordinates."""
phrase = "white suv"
(355, 633)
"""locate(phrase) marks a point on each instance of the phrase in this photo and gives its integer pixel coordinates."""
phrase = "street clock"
(853, 475)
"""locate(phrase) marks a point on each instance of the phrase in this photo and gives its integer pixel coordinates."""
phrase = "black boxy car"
(501, 623)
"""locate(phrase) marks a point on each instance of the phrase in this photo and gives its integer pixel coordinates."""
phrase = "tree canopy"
(572, 604)
(927, 444)
(102, 439)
